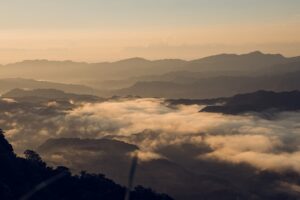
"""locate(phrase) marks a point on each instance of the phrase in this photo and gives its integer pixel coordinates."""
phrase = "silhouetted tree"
(34, 157)
(5, 147)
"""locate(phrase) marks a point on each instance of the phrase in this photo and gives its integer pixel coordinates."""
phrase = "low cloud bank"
(152, 125)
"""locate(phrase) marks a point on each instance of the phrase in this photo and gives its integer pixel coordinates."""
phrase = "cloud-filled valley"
(161, 132)
(247, 138)
(150, 100)
(152, 124)
(193, 138)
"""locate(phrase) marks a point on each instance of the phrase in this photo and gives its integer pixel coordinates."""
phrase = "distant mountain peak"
(259, 53)
(134, 59)
(256, 53)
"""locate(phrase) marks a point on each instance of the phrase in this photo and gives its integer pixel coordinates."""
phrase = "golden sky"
(103, 30)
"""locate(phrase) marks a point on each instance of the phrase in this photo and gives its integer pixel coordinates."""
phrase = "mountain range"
(209, 77)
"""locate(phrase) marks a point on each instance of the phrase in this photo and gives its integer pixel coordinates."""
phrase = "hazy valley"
(221, 127)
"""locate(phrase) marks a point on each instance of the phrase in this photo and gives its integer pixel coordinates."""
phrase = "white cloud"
(151, 125)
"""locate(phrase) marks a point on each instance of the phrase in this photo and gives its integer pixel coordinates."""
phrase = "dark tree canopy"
(5, 147)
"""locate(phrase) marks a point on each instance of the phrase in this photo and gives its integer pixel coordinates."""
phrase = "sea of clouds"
(152, 124)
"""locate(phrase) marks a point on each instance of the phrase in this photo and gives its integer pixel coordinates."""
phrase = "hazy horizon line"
(147, 59)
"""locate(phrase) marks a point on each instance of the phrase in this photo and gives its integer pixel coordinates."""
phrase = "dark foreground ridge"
(21, 178)
(260, 101)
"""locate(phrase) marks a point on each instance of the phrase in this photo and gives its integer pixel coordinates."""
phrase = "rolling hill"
(21, 83)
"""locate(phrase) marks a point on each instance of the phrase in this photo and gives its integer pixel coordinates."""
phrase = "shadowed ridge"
(260, 101)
